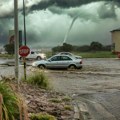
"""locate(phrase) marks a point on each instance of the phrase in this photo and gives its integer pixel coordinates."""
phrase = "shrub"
(67, 107)
(10, 107)
(42, 116)
(39, 79)
(55, 100)
(66, 99)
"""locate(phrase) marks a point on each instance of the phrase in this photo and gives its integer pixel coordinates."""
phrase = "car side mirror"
(49, 60)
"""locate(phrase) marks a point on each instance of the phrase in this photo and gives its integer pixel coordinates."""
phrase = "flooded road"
(97, 85)
(97, 75)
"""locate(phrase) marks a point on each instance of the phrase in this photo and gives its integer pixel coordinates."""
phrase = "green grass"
(39, 79)
(68, 107)
(10, 107)
(42, 116)
(55, 100)
(99, 54)
(6, 56)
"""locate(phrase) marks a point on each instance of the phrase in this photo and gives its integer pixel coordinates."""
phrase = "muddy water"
(97, 75)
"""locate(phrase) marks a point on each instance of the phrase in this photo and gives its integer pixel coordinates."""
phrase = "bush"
(10, 108)
(39, 79)
(42, 116)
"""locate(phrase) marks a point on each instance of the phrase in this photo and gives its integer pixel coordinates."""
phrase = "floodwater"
(97, 75)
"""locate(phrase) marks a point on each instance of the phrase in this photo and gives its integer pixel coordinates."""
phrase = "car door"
(65, 61)
(53, 62)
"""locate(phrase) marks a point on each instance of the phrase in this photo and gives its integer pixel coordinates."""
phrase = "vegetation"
(97, 54)
(68, 107)
(39, 79)
(42, 116)
(94, 50)
(94, 46)
(6, 56)
(66, 98)
(55, 100)
(9, 48)
(10, 109)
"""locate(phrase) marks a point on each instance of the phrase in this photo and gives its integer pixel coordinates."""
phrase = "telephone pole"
(16, 40)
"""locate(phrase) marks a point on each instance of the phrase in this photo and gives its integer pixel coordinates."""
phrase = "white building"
(116, 40)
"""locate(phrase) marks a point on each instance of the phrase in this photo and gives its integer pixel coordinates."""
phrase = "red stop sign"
(24, 51)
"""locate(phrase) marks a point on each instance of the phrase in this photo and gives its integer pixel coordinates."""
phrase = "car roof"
(64, 52)
(63, 55)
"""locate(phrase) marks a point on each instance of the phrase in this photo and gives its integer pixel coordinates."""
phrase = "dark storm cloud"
(66, 3)
(107, 11)
(43, 4)
(55, 7)
(3, 34)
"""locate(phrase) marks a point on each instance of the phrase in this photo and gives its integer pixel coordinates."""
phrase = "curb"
(81, 112)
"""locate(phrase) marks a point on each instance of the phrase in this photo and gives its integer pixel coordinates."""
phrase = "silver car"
(59, 61)
(70, 54)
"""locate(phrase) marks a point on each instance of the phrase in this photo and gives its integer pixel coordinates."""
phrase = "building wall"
(116, 40)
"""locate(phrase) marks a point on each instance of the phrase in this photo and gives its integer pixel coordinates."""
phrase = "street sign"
(24, 51)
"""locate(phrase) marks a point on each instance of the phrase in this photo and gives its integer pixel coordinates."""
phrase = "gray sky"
(51, 22)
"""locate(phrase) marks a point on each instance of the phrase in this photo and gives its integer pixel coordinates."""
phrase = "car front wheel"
(42, 67)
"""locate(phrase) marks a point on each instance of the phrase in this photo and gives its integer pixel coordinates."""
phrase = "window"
(56, 58)
(32, 52)
(65, 58)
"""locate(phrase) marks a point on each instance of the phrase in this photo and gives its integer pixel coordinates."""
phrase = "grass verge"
(97, 54)
(38, 79)
(10, 107)
(42, 116)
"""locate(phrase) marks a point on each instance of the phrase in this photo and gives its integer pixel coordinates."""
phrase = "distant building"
(115, 40)
(11, 39)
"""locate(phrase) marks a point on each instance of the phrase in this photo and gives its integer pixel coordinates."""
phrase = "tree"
(67, 47)
(9, 48)
(84, 48)
(96, 46)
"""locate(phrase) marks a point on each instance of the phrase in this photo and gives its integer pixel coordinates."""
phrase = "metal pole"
(24, 60)
(16, 40)
(24, 22)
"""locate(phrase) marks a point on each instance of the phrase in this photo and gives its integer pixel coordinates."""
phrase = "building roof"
(115, 30)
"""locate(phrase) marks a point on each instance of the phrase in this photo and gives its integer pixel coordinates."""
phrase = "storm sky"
(51, 22)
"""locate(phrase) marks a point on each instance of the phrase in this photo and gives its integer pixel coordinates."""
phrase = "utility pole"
(24, 22)
(16, 40)
(24, 60)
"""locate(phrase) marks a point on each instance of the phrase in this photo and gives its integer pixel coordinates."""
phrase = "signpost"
(24, 52)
